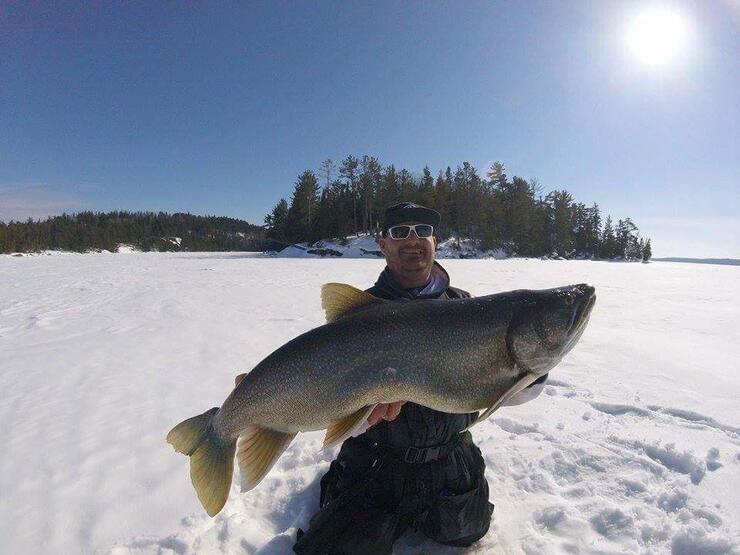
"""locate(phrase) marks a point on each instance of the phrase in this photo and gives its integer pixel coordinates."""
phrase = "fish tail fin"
(211, 463)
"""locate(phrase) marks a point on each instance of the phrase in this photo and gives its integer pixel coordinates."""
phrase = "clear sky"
(215, 108)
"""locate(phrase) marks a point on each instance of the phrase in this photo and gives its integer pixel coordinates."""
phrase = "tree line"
(494, 211)
(147, 231)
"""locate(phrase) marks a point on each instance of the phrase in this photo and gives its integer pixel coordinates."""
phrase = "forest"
(147, 231)
(340, 200)
(496, 212)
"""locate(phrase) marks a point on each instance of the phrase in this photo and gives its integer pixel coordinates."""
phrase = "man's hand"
(387, 411)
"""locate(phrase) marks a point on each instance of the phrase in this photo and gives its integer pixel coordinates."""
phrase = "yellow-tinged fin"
(341, 429)
(258, 450)
(339, 299)
(520, 384)
(211, 469)
(211, 464)
(239, 379)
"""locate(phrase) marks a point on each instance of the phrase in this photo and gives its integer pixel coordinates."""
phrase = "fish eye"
(569, 298)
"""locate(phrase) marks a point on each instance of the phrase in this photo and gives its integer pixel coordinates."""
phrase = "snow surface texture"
(634, 446)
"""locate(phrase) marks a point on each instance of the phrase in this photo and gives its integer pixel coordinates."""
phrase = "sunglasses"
(399, 232)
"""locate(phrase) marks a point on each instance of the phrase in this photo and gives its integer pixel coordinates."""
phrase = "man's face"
(410, 260)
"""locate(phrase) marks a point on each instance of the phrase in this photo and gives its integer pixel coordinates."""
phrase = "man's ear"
(436, 242)
(381, 243)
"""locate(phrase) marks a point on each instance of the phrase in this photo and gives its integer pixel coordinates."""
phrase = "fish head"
(545, 325)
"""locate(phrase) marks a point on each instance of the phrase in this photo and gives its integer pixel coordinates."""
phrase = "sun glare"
(657, 36)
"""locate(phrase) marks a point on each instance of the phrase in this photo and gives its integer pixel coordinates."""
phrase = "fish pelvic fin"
(211, 463)
(341, 429)
(339, 299)
(259, 449)
(520, 384)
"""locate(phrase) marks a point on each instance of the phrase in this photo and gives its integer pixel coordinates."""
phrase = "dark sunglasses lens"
(400, 231)
(424, 230)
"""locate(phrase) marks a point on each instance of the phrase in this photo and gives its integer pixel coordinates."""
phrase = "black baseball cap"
(409, 212)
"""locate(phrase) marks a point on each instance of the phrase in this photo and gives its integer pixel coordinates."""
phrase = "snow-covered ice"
(634, 446)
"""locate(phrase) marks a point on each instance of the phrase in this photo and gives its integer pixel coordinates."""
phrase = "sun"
(657, 36)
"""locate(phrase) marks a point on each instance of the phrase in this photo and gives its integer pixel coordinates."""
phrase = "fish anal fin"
(238, 379)
(339, 299)
(520, 384)
(341, 429)
(257, 451)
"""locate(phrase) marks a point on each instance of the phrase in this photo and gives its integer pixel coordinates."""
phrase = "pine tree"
(560, 206)
(426, 188)
(276, 222)
(370, 175)
(647, 252)
(608, 241)
(303, 206)
(348, 171)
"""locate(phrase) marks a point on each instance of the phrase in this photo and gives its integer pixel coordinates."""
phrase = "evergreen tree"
(562, 229)
(594, 231)
(608, 240)
(276, 222)
(370, 176)
(426, 189)
(303, 207)
(349, 172)
(647, 252)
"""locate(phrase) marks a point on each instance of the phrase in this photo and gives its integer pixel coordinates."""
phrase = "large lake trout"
(457, 356)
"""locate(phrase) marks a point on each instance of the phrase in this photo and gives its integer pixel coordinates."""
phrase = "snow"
(634, 447)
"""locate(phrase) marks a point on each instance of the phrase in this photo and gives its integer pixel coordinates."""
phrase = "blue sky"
(215, 108)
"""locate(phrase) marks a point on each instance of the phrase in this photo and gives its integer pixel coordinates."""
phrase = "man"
(412, 467)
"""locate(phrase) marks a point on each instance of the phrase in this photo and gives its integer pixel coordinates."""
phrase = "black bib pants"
(371, 495)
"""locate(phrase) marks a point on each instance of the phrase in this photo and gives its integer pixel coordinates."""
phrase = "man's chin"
(416, 268)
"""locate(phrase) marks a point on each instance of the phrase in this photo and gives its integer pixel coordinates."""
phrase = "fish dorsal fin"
(339, 299)
(257, 451)
(520, 384)
(239, 379)
(341, 429)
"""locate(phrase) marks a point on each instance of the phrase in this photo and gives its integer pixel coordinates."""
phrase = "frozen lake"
(633, 448)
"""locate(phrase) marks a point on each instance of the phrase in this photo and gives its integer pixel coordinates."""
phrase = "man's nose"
(413, 236)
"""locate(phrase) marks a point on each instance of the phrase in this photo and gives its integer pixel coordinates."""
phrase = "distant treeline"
(147, 231)
(495, 211)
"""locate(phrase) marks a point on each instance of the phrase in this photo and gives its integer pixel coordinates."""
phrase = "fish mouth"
(586, 304)
(581, 317)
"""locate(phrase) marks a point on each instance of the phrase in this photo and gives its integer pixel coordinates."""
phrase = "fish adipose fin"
(239, 379)
(259, 449)
(211, 464)
(520, 384)
(341, 429)
(339, 299)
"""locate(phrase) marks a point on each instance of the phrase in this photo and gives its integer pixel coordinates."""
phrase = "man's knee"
(350, 525)
(459, 520)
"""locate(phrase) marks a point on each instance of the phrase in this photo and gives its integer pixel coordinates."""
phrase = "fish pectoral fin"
(339, 299)
(257, 451)
(520, 384)
(341, 429)
(239, 379)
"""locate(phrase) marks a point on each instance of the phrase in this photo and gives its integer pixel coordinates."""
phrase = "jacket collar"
(439, 281)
